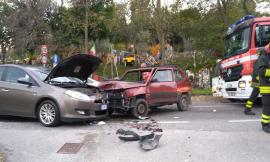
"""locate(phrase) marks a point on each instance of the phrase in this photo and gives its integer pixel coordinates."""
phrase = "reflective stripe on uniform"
(257, 78)
(265, 116)
(267, 73)
(249, 104)
(264, 89)
(265, 121)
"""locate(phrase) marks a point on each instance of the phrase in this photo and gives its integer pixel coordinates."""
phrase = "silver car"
(61, 95)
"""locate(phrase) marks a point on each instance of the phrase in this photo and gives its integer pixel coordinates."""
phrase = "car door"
(162, 88)
(19, 99)
(181, 81)
(2, 91)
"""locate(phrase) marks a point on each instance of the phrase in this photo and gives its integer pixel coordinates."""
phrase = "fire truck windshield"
(237, 42)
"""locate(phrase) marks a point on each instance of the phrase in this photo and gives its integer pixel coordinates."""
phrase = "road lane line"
(212, 106)
(166, 122)
(244, 120)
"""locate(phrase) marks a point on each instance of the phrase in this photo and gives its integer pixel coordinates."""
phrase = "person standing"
(55, 58)
(264, 75)
(255, 85)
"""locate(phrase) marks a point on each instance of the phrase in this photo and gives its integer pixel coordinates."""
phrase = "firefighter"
(264, 75)
(255, 85)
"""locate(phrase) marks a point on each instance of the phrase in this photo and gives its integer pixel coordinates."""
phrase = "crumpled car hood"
(116, 85)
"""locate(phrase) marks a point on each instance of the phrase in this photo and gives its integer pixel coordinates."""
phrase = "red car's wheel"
(183, 103)
(141, 109)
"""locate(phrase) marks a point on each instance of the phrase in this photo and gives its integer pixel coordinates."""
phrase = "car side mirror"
(24, 80)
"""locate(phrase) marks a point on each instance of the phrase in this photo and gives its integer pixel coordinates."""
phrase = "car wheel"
(183, 103)
(141, 109)
(48, 114)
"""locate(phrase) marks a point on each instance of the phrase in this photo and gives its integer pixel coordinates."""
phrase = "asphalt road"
(210, 131)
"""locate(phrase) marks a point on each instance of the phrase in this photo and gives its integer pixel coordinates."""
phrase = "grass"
(207, 91)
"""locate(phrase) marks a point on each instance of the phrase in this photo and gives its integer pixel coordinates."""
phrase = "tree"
(28, 23)
(69, 24)
(160, 24)
(5, 40)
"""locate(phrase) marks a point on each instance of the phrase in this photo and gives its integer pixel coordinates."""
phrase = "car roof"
(29, 67)
(157, 67)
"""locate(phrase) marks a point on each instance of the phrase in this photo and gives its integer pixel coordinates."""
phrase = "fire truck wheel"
(183, 103)
(141, 109)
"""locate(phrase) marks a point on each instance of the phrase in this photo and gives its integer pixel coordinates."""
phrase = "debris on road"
(97, 123)
(214, 110)
(176, 117)
(150, 143)
(101, 123)
(147, 133)
(143, 117)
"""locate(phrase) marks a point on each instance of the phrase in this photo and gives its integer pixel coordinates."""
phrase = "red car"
(141, 89)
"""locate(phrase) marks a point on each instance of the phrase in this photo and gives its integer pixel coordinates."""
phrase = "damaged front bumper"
(119, 101)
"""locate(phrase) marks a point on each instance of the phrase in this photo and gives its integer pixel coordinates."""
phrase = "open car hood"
(79, 66)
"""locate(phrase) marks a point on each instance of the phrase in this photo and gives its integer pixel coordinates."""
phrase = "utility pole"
(86, 27)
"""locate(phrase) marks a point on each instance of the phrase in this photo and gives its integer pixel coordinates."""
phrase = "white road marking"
(244, 120)
(173, 122)
(165, 122)
(197, 106)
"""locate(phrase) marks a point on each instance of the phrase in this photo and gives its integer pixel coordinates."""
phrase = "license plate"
(103, 107)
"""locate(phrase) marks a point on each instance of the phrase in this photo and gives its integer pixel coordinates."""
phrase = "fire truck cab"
(242, 40)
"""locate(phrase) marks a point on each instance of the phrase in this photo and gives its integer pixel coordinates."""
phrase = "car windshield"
(237, 42)
(42, 75)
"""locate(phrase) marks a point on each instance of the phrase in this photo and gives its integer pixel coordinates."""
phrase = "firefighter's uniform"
(255, 85)
(264, 74)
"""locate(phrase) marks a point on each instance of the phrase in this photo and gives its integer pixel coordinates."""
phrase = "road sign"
(44, 50)
(44, 59)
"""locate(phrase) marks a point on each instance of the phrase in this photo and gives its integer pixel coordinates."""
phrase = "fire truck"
(242, 40)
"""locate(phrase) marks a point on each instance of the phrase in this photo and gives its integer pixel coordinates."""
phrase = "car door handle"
(4, 90)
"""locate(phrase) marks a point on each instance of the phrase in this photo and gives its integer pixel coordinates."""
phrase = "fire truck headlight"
(242, 84)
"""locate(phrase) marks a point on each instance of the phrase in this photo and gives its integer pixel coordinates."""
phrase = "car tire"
(48, 114)
(183, 103)
(141, 109)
